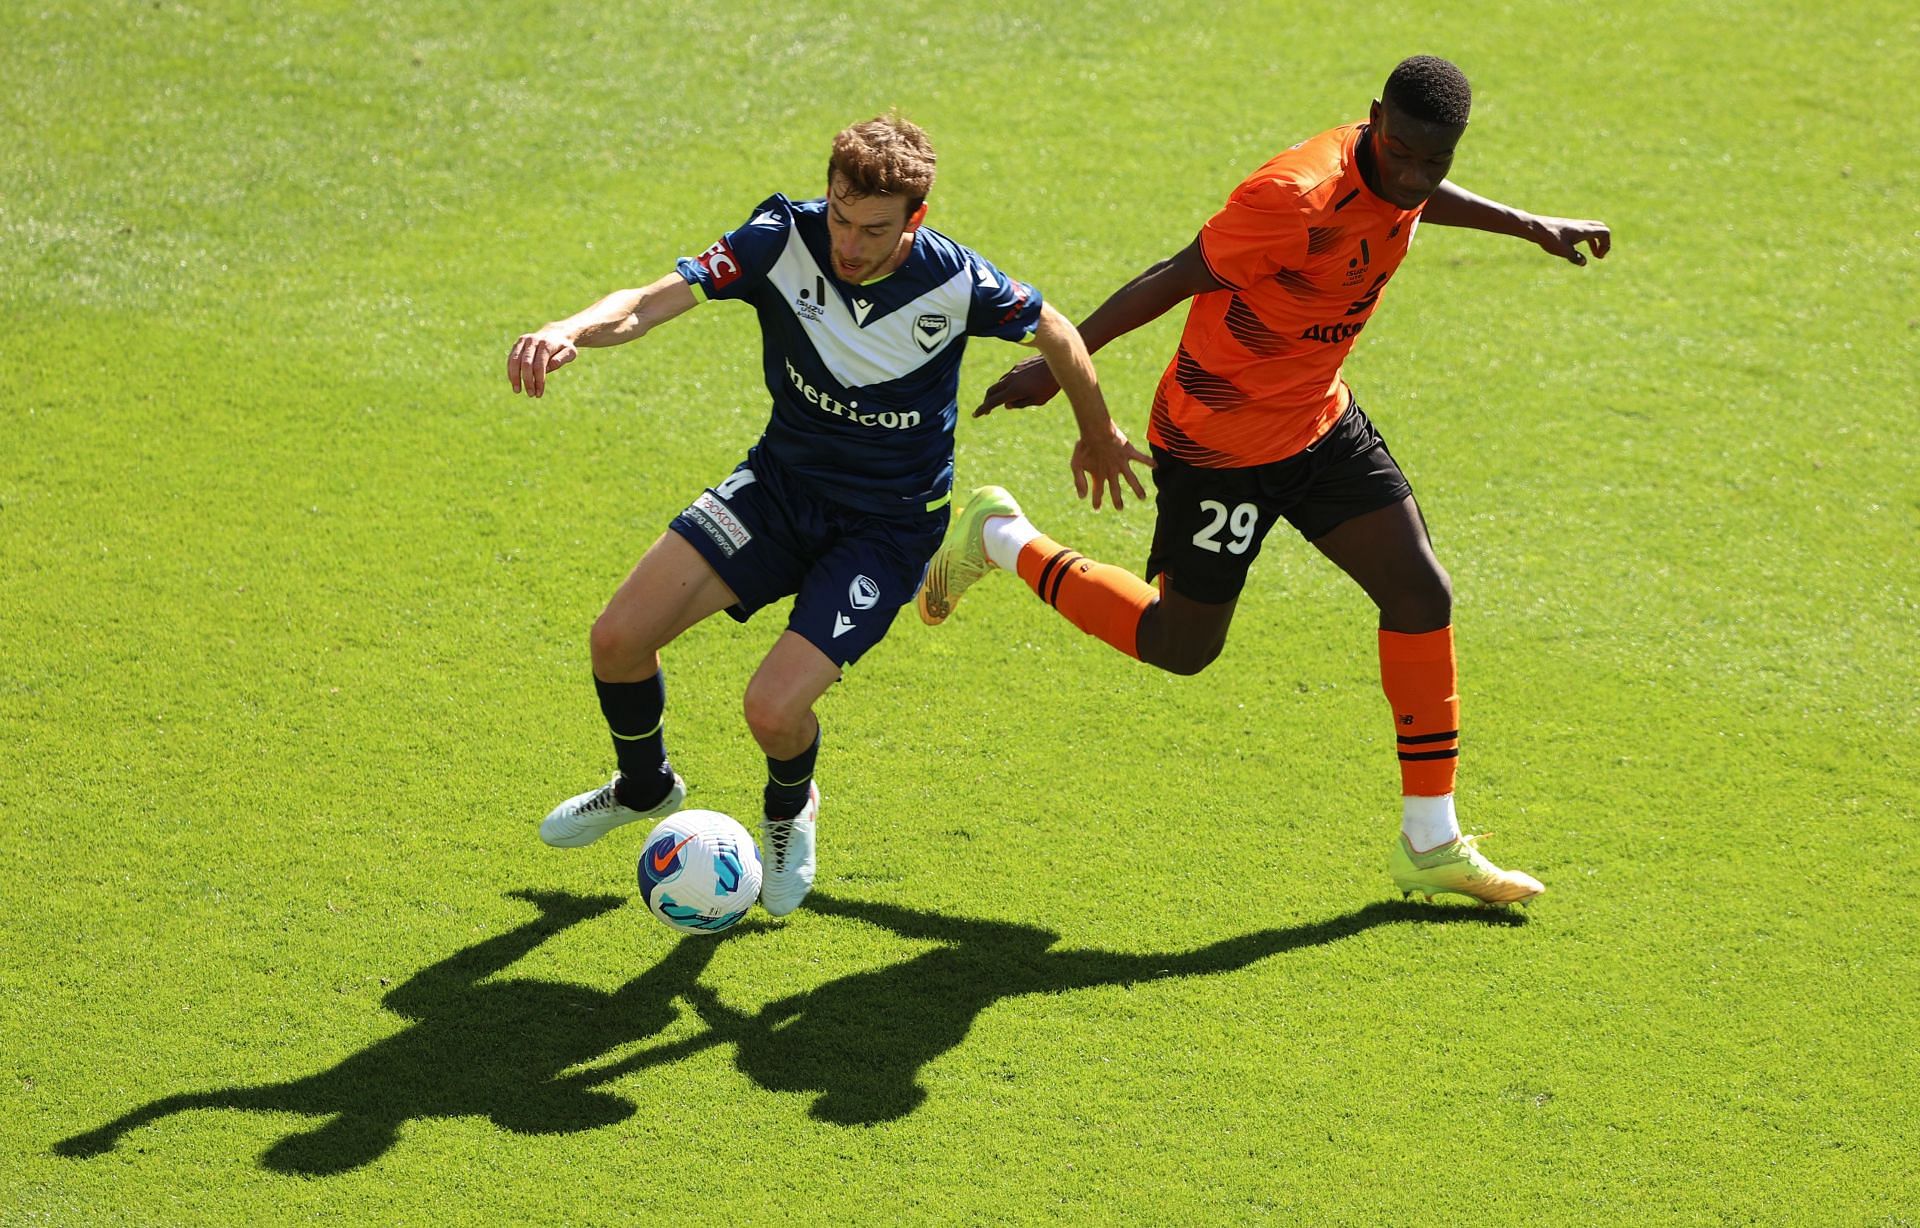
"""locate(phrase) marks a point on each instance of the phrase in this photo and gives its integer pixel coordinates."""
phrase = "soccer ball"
(699, 871)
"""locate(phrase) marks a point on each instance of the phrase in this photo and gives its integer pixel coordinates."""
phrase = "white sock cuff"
(1428, 822)
(1004, 536)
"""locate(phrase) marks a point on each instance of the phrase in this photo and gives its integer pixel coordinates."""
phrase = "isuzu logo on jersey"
(721, 264)
(863, 593)
(812, 306)
(1357, 266)
(930, 330)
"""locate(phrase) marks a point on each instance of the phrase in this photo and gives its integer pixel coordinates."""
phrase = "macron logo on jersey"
(722, 266)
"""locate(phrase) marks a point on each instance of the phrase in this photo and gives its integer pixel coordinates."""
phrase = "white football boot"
(584, 819)
(786, 857)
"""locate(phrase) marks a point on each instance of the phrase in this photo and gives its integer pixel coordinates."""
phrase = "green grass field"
(295, 598)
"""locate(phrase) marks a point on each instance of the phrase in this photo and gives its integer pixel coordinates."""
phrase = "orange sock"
(1417, 672)
(1100, 599)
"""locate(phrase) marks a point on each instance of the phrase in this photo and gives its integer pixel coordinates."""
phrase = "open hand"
(1099, 464)
(534, 355)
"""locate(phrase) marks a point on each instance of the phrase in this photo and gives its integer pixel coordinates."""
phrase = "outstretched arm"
(917, 925)
(439, 987)
(1102, 456)
(1453, 205)
(1141, 301)
(1151, 295)
(621, 316)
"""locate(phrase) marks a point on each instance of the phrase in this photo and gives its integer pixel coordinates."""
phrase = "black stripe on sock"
(1060, 577)
(1417, 739)
(1419, 756)
(1046, 570)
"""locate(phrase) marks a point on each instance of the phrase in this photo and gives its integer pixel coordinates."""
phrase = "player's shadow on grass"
(513, 1050)
(861, 1041)
(478, 1047)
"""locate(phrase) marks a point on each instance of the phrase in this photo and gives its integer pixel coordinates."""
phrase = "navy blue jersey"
(865, 379)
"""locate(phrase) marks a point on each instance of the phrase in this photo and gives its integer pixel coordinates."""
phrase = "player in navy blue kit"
(864, 314)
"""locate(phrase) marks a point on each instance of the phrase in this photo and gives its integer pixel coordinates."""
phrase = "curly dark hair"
(1426, 87)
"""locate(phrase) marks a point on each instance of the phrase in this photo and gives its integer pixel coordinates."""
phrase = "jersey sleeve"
(1001, 306)
(742, 257)
(1259, 231)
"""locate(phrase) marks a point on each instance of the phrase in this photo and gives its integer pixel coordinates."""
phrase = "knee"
(1436, 603)
(1177, 641)
(772, 722)
(1195, 655)
(1425, 605)
(1185, 655)
(618, 649)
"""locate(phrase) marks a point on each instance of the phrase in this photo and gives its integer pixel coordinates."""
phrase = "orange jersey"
(1305, 248)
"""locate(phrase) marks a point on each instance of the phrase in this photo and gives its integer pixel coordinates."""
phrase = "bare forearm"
(626, 314)
(620, 316)
(1145, 298)
(1149, 296)
(607, 322)
(1557, 236)
(1072, 367)
(1102, 458)
(1139, 302)
(1453, 205)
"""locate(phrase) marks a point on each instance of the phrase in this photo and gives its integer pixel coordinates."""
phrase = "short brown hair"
(888, 155)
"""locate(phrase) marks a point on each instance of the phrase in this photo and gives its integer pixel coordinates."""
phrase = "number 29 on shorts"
(1240, 522)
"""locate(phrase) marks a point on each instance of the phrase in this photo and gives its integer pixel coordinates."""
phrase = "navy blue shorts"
(848, 571)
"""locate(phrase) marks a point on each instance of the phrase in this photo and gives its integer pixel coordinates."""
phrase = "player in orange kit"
(1252, 421)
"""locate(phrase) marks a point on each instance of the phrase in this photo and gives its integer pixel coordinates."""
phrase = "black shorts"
(1210, 522)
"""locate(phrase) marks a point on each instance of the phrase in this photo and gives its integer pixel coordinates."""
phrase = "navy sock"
(790, 780)
(635, 713)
